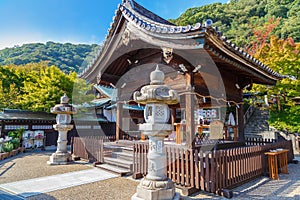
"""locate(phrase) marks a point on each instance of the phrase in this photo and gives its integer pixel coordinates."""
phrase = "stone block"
(175, 197)
(59, 159)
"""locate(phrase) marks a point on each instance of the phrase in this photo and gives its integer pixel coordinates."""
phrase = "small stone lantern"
(63, 119)
(156, 96)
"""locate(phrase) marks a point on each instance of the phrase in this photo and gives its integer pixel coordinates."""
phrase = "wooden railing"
(210, 171)
(140, 161)
(78, 148)
(89, 148)
(258, 141)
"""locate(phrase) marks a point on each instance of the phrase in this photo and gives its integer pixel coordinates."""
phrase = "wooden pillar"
(240, 119)
(173, 119)
(178, 134)
(226, 132)
(173, 116)
(119, 117)
(189, 111)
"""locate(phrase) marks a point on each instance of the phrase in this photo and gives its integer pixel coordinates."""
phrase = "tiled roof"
(88, 118)
(8, 114)
(107, 91)
(126, 106)
(155, 25)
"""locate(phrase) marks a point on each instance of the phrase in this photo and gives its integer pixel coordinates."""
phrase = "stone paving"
(56, 182)
(287, 187)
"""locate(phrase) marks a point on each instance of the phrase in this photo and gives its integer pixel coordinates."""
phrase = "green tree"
(37, 87)
(81, 92)
(68, 57)
(44, 87)
(283, 56)
(237, 18)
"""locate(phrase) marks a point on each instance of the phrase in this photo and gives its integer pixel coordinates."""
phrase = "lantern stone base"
(156, 190)
(58, 158)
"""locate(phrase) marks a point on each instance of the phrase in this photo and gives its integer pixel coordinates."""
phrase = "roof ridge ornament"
(130, 2)
(208, 23)
(167, 54)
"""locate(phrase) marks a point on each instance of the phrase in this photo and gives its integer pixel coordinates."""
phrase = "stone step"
(128, 149)
(118, 162)
(118, 170)
(123, 155)
(256, 128)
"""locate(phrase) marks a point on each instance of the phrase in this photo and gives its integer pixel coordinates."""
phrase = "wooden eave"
(109, 65)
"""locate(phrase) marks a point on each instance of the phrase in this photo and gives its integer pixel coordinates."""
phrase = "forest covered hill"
(238, 18)
(68, 57)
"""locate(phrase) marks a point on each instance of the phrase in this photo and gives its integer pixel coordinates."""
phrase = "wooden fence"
(89, 148)
(258, 141)
(140, 161)
(210, 171)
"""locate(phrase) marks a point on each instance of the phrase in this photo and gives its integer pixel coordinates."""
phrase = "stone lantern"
(63, 119)
(156, 96)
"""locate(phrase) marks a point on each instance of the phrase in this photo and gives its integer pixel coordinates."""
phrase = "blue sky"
(75, 21)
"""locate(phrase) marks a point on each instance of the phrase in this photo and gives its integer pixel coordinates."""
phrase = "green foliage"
(16, 142)
(7, 147)
(38, 87)
(81, 91)
(287, 119)
(238, 18)
(282, 56)
(45, 87)
(68, 57)
(16, 133)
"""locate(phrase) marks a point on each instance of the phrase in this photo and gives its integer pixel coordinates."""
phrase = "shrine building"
(207, 70)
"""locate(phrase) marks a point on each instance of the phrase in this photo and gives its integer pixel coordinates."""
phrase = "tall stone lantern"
(63, 119)
(156, 96)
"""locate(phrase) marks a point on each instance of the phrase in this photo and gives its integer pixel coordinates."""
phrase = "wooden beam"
(173, 115)
(119, 120)
(240, 119)
(189, 111)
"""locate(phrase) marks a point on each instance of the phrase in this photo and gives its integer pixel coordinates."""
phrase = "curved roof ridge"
(112, 25)
(238, 50)
(145, 12)
(152, 26)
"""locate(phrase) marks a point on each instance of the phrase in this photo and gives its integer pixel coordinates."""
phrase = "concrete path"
(31, 187)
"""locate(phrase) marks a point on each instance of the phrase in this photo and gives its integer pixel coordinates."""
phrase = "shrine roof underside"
(137, 37)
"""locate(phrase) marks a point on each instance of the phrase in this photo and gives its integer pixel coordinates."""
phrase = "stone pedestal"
(156, 185)
(61, 156)
(59, 159)
(155, 190)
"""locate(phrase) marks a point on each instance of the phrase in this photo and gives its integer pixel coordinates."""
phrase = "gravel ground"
(33, 165)
(116, 188)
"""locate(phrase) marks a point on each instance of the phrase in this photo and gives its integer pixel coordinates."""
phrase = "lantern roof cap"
(157, 77)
